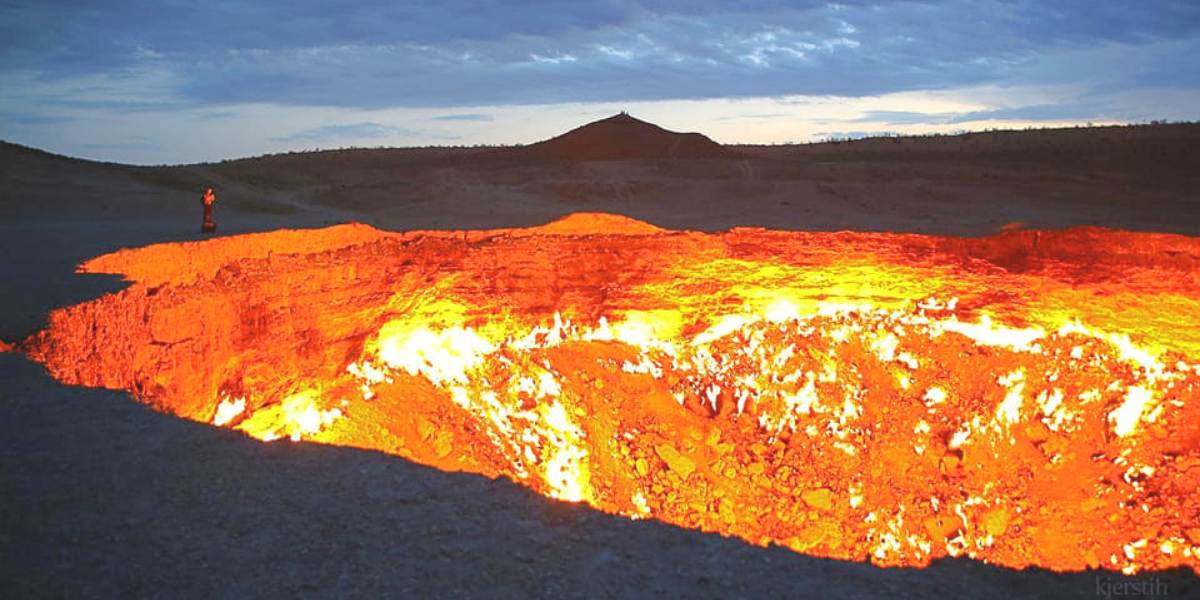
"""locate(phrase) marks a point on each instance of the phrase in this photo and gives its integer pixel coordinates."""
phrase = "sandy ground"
(102, 497)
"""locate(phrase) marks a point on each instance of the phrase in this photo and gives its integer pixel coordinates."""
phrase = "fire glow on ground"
(1031, 398)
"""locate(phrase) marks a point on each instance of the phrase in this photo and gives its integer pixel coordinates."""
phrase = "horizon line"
(890, 135)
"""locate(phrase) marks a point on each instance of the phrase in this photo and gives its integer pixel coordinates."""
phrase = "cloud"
(463, 117)
(123, 146)
(377, 53)
(354, 131)
(34, 119)
(906, 117)
(1037, 112)
(852, 135)
(455, 62)
(757, 116)
(216, 115)
(1091, 107)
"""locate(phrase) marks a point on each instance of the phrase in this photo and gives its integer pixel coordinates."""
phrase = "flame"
(566, 467)
(542, 439)
(782, 397)
(228, 410)
(1018, 400)
(296, 417)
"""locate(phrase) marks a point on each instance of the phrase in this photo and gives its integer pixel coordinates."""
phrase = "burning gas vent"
(1026, 399)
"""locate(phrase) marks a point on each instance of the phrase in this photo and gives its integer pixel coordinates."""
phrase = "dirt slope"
(622, 137)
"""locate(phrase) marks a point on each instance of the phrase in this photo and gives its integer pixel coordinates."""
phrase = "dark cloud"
(33, 119)
(114, 105)
(381, 53)
(74, 71)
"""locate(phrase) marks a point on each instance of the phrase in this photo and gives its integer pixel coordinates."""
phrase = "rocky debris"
(642, 467)
(1193, 535)
(819, 498)
(942, 527)
(821, 533)
(995, 522)
(443, 445)
(676, 461)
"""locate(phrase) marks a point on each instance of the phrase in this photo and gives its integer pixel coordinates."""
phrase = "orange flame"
(1027, 399)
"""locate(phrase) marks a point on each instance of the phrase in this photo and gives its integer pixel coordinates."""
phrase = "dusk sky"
(167, 81)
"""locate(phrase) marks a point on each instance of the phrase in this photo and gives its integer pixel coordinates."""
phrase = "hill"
(622, 137)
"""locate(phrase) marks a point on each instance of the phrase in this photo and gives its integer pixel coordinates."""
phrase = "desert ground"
(100, 496)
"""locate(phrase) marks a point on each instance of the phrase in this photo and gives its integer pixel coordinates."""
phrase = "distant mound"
(622, 137)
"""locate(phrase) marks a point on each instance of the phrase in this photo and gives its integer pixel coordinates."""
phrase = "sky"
(174, 81)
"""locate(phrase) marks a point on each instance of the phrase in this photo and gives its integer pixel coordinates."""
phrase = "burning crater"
(1031, 398)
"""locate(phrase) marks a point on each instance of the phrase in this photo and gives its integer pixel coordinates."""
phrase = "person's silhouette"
(208, 226)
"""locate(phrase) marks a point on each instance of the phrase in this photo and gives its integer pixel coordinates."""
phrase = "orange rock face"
(1031, 398)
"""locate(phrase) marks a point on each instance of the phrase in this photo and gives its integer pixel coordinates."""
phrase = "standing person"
(208, 226)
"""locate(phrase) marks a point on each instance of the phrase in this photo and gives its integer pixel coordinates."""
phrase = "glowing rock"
(676, 461)
(820, 498)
